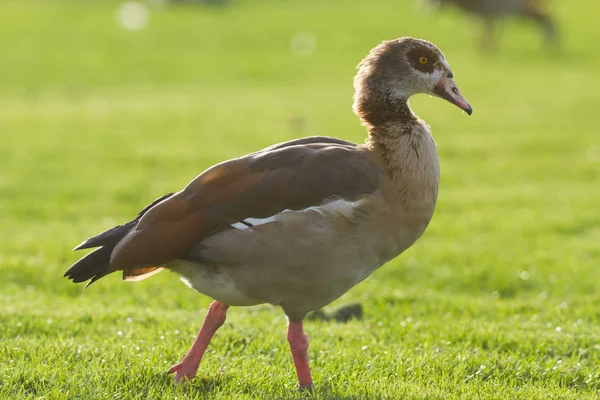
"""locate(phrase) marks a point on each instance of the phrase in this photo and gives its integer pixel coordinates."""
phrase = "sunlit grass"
(499, 299)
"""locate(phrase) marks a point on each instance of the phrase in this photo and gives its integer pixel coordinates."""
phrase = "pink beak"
(447, 90)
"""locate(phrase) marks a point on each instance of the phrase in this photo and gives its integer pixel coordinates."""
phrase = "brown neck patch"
(378, 109)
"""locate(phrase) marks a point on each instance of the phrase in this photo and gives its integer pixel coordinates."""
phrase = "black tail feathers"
(92, 266)
(95, 264)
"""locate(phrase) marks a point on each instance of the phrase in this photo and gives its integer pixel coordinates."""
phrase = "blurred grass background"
(499, 299)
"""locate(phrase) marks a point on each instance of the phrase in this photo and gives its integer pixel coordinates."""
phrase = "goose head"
(398, 69)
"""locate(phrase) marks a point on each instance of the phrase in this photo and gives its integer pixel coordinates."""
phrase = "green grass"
(499, 299)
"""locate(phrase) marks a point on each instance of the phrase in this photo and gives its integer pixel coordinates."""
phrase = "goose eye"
(423, 60)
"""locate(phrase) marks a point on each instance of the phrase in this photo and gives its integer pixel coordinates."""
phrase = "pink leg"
(188, 367)
(299, 346)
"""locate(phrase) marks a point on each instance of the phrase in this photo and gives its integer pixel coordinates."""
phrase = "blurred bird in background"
(197, 2)
(491, 12)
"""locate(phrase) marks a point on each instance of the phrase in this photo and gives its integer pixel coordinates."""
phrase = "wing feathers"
(173, 227)
(294, 175)
(107, 238)
(112, 236)
(159, 243)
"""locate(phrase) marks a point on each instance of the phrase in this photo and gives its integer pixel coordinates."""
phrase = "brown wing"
(293, 175)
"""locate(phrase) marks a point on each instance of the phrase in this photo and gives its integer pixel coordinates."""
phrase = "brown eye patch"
(423, 58)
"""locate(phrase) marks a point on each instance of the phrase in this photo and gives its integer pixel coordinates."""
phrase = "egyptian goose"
(492, 11)
(299, 223)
